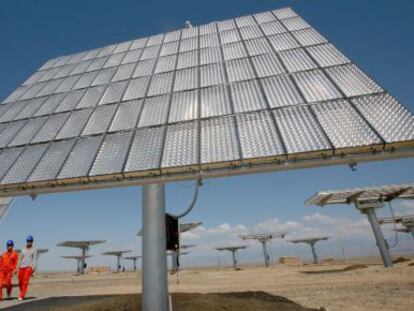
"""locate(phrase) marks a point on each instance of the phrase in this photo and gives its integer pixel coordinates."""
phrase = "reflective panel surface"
(227, 97)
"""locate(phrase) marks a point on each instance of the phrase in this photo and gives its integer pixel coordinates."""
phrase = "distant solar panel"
(259, 92)
(362, 194)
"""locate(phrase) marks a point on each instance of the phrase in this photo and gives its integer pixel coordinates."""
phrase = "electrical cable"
(193, 202)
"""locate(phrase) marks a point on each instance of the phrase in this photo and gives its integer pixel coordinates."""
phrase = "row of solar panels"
(239, 71)
(284, 45)
(292, 132)
(187, 56)
(279, 91)
(252, 95)
(376, 193)
(269, 21)
(96, 73)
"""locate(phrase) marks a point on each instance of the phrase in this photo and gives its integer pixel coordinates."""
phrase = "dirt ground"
(241, 301)
(336, 287)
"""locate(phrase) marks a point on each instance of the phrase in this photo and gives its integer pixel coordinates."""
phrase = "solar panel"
(362, 194)
(80, 244)
(309, 240)
(397, 219)
(256, 93)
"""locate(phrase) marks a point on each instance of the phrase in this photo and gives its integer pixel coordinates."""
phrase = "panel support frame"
(154, 256)
(368, 209)
(265, 252)
(82, 261)
(314, 255)
(233, 254)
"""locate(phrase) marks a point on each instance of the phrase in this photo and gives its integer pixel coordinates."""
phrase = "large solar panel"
(264, 90)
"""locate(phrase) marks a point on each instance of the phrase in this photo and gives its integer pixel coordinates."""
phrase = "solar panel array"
(377, 193)
(310, 240)
(255, 89)
(80, 244)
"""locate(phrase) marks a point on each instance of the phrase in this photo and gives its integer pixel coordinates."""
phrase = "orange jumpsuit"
(8, 263)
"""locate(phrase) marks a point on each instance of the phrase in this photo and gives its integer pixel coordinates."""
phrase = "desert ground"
(357, 285)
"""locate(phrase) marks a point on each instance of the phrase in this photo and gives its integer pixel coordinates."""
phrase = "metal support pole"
(174, 261)
(118, 262)
(82, 262)
(78, 268)
(381, 243)
(266, 255)
(234, 259)
(315, 257)
(154, 257)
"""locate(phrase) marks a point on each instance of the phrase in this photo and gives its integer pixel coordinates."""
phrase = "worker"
(27, 266)
(8, 265)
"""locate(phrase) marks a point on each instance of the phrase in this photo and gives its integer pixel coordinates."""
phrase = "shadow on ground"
(348, 268)
(240, 301)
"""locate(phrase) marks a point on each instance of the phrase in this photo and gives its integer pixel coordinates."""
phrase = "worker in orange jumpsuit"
(8, 264)
(27, 266)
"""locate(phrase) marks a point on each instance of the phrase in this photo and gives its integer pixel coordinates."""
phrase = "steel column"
(315, 257)
(82, 261)
(154, 257)
(266, 255)
(118, 263)
(379, 237)
(234, 259)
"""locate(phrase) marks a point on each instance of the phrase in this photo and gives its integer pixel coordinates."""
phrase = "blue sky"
(377, 35)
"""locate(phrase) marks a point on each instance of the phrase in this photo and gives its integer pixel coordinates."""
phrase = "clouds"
(274, 225)
(339, 227)
(354, 234)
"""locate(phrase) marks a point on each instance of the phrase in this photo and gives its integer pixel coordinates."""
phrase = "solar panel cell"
(112, 154)
(214, 101)
(155, 111)
(218, 142)
(146, 149)
(267, 65)
(52, 161)
(390, 119)
(181, 145)
(300, 131)
(258, 136)
(184, 106)
(75, 123)
(344, 126)
(100, 120)
(280, 91)
(315, 86)
(127, 115)
(352, 81)
(81, 157)
(24, 165)
(247, 96)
